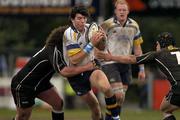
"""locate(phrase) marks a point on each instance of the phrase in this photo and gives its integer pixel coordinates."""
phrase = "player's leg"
(120, 96)
(23, 113)
(116, 84)
(167, 108)
(93, 104)
(99, 80)
(82, 87)
(24, 100)
(52, 97)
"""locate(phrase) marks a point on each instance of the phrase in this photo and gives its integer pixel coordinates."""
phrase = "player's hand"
(90, 66)
(142, 77)
(97, 37)
(103, 56)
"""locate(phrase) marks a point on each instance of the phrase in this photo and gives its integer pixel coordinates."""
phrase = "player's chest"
(121, 33)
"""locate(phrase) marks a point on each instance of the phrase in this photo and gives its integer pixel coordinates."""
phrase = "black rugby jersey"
(40, 68)
(168, 61)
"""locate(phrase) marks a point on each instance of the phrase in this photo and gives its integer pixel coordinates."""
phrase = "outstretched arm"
(129, 59)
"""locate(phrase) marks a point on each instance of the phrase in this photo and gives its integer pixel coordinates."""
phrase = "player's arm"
(129, 59)
(79, 56)
(74, 70)
(138, 52)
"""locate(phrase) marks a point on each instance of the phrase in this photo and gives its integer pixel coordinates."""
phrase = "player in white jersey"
(79, 51)
(123, 37)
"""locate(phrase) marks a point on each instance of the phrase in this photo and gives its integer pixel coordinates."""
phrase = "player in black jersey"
(167, 58)
(33, 80)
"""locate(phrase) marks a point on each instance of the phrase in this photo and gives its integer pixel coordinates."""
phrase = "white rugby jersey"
(121, 39)
(74, 42)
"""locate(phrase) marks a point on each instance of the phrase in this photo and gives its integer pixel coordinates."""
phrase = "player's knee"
(23, 116)
(164, 109)
(58, 105)
(120, 95)
(120, 98)
(106, 90)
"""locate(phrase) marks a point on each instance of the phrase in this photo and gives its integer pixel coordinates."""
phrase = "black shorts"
(25, 96)
(173, 98)
(80, 83)
(35, 76)
(117, 72)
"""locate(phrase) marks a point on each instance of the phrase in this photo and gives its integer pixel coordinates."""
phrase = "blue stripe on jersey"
(72, 46)
(137, 36)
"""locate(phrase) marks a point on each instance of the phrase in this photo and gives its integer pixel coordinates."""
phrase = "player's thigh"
(52, 97)
(98, 79)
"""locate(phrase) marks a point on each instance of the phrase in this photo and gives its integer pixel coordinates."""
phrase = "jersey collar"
(128, 21)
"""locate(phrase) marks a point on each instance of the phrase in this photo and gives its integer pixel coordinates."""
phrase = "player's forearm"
(77, 58)
(129, 59)
(138, 52)
(74, 70)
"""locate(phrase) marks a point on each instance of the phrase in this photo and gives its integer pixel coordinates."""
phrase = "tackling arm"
(74, 70)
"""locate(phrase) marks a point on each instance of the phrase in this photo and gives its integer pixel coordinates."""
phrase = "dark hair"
(56, 36)
(166, 39)
(79, 9)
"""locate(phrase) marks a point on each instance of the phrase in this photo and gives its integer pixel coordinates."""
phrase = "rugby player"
(33, 80)
(167, 58)
(123, 38)
(79, 51)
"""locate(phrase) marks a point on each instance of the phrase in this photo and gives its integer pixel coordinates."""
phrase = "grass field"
(84, 114)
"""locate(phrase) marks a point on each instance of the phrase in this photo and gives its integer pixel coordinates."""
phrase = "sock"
(171, 117)
(57, 115)
(111, 105)
(108, 117)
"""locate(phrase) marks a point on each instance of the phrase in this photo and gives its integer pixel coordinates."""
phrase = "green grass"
(84, 114)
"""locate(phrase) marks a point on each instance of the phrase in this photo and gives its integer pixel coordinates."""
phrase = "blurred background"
(25, 25)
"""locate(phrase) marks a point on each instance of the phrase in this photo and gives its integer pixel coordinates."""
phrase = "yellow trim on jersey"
(74, 36)
(72, 52)
(138, 41)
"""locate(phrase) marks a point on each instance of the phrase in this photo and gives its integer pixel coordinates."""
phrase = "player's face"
(79, 22)
(121, 12)
(158, 46)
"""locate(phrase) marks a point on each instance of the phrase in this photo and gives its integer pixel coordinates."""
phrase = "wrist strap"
(88, 48)
(141, 68)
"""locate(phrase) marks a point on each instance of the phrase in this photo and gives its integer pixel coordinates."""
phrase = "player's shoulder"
(107, 23)
(133, 22)
(69, 33)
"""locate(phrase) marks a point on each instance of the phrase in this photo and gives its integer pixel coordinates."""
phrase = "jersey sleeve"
(71, 44)
(56, 58)
(138, 37)
(146, 58)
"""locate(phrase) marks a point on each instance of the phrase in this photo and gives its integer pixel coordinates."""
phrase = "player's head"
(56, 36)
(165, 39)
(79, 16)
(79, 10)
(121, 10)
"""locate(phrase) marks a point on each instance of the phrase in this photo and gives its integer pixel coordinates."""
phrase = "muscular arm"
(129, 59)
(126, 59)
(74, 70)
(78, 57)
